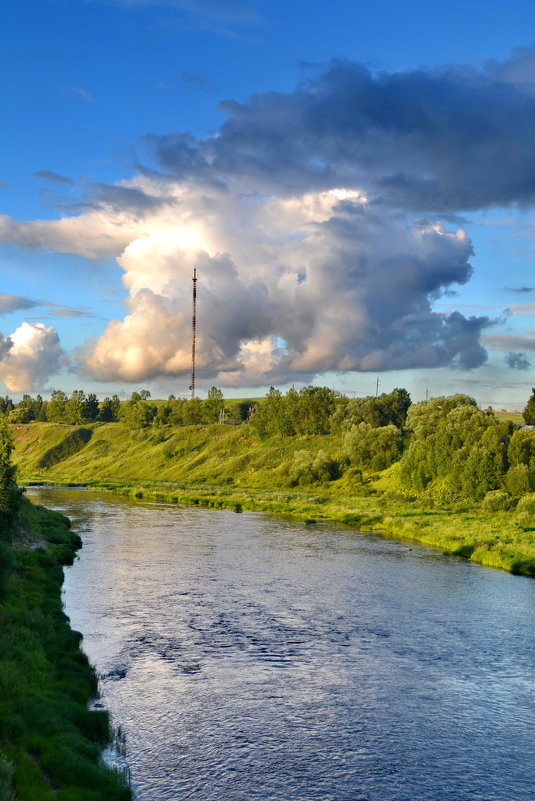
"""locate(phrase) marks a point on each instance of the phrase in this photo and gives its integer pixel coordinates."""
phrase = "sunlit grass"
(50, 742)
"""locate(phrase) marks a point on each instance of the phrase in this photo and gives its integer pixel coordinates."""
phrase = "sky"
(354, 182)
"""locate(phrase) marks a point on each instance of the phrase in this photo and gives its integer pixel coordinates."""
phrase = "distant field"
(514, 417)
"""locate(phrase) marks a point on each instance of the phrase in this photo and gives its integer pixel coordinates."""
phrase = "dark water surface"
(247, 657)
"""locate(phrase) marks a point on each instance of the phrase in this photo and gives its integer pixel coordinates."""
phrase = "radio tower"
(194, 332)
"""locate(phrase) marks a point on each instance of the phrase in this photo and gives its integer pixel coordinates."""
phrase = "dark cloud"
(117, 199)
(521, 289)
(445, 140)
(517, 361)
(11, 303)
(47, 175)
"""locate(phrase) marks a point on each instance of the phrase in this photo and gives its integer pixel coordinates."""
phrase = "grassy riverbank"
(50, 742)
(234, 467)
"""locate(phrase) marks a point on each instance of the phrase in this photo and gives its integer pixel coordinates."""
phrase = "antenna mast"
(194, 332)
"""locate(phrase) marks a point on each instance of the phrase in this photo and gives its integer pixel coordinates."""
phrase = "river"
(247, 657)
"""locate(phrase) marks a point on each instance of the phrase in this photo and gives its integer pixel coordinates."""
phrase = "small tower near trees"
(193, 332)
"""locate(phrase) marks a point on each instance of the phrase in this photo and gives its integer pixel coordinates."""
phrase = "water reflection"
(251, 658)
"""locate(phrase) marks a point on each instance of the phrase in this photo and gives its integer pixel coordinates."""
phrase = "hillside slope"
(53, 452)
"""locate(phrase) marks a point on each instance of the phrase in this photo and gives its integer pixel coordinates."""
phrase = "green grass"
(50, 742)
(512, 417)
(233, 467)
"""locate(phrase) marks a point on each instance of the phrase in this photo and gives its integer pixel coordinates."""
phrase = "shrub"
(309, 468)
(527, 504)
(517, 479)
(496, 501)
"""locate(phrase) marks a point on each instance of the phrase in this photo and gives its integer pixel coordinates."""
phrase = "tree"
(6, 405)
(56, 406)
(529, 410)
(90, 408)
(24, 411)
(74, 408)
(213, 405)
(136, 413)
(9, 492)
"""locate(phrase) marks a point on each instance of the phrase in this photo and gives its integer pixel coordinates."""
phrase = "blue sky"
(122, 168)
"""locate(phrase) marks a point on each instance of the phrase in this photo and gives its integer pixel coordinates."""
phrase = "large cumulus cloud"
(288, 287)
(29, 356)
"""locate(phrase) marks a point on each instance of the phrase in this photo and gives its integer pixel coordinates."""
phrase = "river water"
(247, 657)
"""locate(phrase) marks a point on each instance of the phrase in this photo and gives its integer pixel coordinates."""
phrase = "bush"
(517, 479)
(496, 501)
(309, 468)
(527, 504)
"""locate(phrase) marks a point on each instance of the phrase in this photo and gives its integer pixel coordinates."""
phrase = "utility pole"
(194, 332)
(427, 394)
(377, 387)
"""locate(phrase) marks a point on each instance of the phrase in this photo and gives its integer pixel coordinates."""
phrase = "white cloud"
(288, 287)
(29, 356)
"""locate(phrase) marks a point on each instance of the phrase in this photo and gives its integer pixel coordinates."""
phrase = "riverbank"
(233, 467)
(496, 540)
(51, 744)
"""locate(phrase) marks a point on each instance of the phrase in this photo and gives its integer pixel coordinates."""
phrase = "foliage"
(56, 407)
(529, 410)
(496, 501)
(136, 413)
(375, 448)
(518, 479)
(384, 410)
(527, 504)
(307, 468)
(50, 742)
(307, 412)
(213, 405)
(454, 441)
(9, 492)
(109, 410)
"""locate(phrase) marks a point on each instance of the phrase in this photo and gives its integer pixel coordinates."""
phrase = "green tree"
(6, 405)
(108, 410)
(56, 406)
(74, 408)
(90, 410)
(375, 448)
(24, 411)
(193, 411)
(529, 410)
(313, 410)
(9, 492)
(213, 405)
(137, 413)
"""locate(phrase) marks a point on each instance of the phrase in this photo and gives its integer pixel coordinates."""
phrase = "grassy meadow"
(234, 467)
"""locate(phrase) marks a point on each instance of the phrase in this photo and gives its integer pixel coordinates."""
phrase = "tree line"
(309, 411)
(446, 447)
